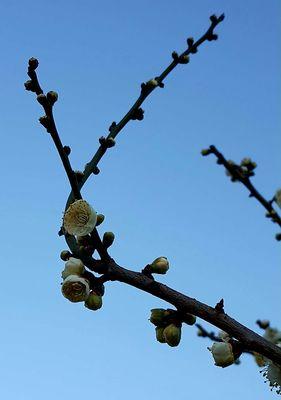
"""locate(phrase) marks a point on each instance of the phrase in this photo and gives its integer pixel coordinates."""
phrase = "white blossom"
(80, 218)
(75, 288)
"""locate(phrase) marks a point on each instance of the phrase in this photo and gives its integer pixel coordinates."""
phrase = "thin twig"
(235, 171)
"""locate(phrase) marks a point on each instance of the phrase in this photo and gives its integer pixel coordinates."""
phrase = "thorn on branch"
(220, 306)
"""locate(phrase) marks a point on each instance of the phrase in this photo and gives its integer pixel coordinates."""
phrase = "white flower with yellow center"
(80, 218)
(75, 288)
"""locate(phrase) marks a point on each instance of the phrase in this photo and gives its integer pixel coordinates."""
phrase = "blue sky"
(159, 195)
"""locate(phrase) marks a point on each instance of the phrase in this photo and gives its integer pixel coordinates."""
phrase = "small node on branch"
(29, 85)
(160, 84)
(190, 41)
(214, 19)
(65, 255)
(138, 114)
(33, 63)
(220, 306)
(183, 59)
(42, 99)
(108, 239)
(67, 150)
(110, 142)
(96, 170)
(112, 126)
(46, 122)
(52, 97)
(100, 219)
(175, 56)
(212, 36)
(263, 324)
(102, 141)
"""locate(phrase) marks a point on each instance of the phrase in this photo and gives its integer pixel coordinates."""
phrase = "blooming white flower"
(75, 288)
(222, 353)
(80, 218)
(277, 197)
(272, 373)
(224, 336)
(74, 266)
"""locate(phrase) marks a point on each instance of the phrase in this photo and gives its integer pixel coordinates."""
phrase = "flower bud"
(159, 334)
(80, 218)
(189, 319)
(172, 335)
(108, 239)
(222, 354)
(52, 97)
(75, 288)
(157, 316)
(42, 99)
(160, 265)
(94, 301)
(73, 266)
(65, 254)
(152, 83)
(33, 63)
(100, 219)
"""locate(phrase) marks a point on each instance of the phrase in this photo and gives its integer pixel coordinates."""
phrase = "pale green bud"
(222, 354)
(172, 335)
(94, 301)
(160, 265)
(159, 330)
(157, 316)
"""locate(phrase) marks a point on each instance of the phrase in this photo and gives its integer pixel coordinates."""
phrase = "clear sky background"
(159, 195)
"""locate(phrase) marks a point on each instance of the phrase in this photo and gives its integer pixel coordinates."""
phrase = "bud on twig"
(94, 301)
(108, 239)
(52, 97)
(159, 266)
(172, 335)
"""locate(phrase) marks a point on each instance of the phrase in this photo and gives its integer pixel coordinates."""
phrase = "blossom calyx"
(80, 218)
(74, 266)
(222, 354)
(75, 288)
(159, 266)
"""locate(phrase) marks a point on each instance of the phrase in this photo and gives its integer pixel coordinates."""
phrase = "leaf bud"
(33, 63)
(108, 239)
(172, 335)
(52, 97)
(100, 219)
(65, 254)
(205, 152)
(42, 99)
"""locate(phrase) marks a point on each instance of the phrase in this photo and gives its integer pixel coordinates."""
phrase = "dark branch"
(238, 174)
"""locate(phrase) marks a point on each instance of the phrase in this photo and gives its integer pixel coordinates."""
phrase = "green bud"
(100, 219)
(189, 319)
(65, 254)
(205, 152)
(108, 239)
(52, 97)
(157, 316)
(160, 265)
(159, 334)
(172, 335)
(94, 301)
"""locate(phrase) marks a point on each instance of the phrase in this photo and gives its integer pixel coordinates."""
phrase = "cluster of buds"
(76, 288)
(168, 324)
(243, 170)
